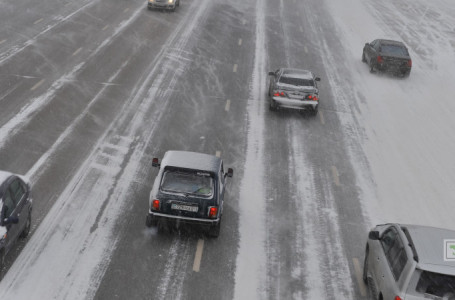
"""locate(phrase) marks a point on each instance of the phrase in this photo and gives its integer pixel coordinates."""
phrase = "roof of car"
(429, 245)
(4, 175)
(192, 160)
(297, 73)
(391, 42)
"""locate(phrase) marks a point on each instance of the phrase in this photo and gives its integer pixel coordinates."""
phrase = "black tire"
(150, 221)
(28, 226)
(178, 3)
(2, 263)
(314, 111)
(365, 267)
(214, 231)
(406, 74)
(272, 105)
(371, 67)
(363, 57)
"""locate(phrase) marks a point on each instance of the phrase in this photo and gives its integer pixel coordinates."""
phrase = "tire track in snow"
(318, 232)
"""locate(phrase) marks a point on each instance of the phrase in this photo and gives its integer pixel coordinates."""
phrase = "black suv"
(387, 55)
(189, 189)
(15, 211)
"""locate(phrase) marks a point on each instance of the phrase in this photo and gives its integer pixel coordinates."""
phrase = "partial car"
(15, 211)
(295, 89)
(387, 56)
(189, 189)
(163, 4)
(410, 262)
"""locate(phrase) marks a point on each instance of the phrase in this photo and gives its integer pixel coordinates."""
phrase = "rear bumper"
(161, 5)
(294, 103)
(185, 220)
(393, 68)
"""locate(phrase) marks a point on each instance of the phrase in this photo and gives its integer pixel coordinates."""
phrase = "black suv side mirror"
(271, 73)
(317, 79)
(11, 220)
(155, 162)
(373, 235)
(230, 172)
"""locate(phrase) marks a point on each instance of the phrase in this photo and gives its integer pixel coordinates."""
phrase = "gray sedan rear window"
(296, 81)
(197, 183)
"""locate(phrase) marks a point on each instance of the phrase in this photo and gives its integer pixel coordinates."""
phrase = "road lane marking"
(305, 49)
(77, 51)
(218, 154)
(235, 68)
(240, 42)
(358, 275)
(37, 21)
(321, 116)
(105, 27)
(2, 41)
(198, 255)
(336, 179)
(37, 85)
(228, 105)
(126, 9)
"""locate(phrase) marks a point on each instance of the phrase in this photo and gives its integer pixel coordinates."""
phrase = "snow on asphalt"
(69, 252)
(251, 260)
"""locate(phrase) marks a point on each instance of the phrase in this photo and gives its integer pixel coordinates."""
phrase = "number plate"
(184, 207)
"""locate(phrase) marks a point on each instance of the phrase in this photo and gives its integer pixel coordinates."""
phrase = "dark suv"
(387, 55)
(410, 262)
(189, 189)
(15, 211)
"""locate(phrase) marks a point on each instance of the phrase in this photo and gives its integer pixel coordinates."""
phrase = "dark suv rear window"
(197, 183)
(436, 284)
(394, 50)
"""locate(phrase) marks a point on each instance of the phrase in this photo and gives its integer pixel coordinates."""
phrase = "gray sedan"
(294, 88)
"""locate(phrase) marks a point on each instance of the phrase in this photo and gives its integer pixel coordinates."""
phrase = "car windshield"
(439, 285)
(296, 81)
(394, 50)
(197, 183)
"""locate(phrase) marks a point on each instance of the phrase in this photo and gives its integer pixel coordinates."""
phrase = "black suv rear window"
(197, 183)
(394, 50)
(436, 284)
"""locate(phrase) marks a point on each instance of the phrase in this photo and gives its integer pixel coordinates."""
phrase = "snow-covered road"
(406, 126)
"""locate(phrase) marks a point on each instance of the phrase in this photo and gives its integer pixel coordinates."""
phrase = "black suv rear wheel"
(214, 231)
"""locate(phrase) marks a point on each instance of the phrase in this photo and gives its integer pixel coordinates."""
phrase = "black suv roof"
(192, 160)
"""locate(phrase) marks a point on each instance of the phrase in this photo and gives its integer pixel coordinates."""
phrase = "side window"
(8, 204)
(394, 252)
(388, 238)
(17, 191)
(221, 179)
(373, 43)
